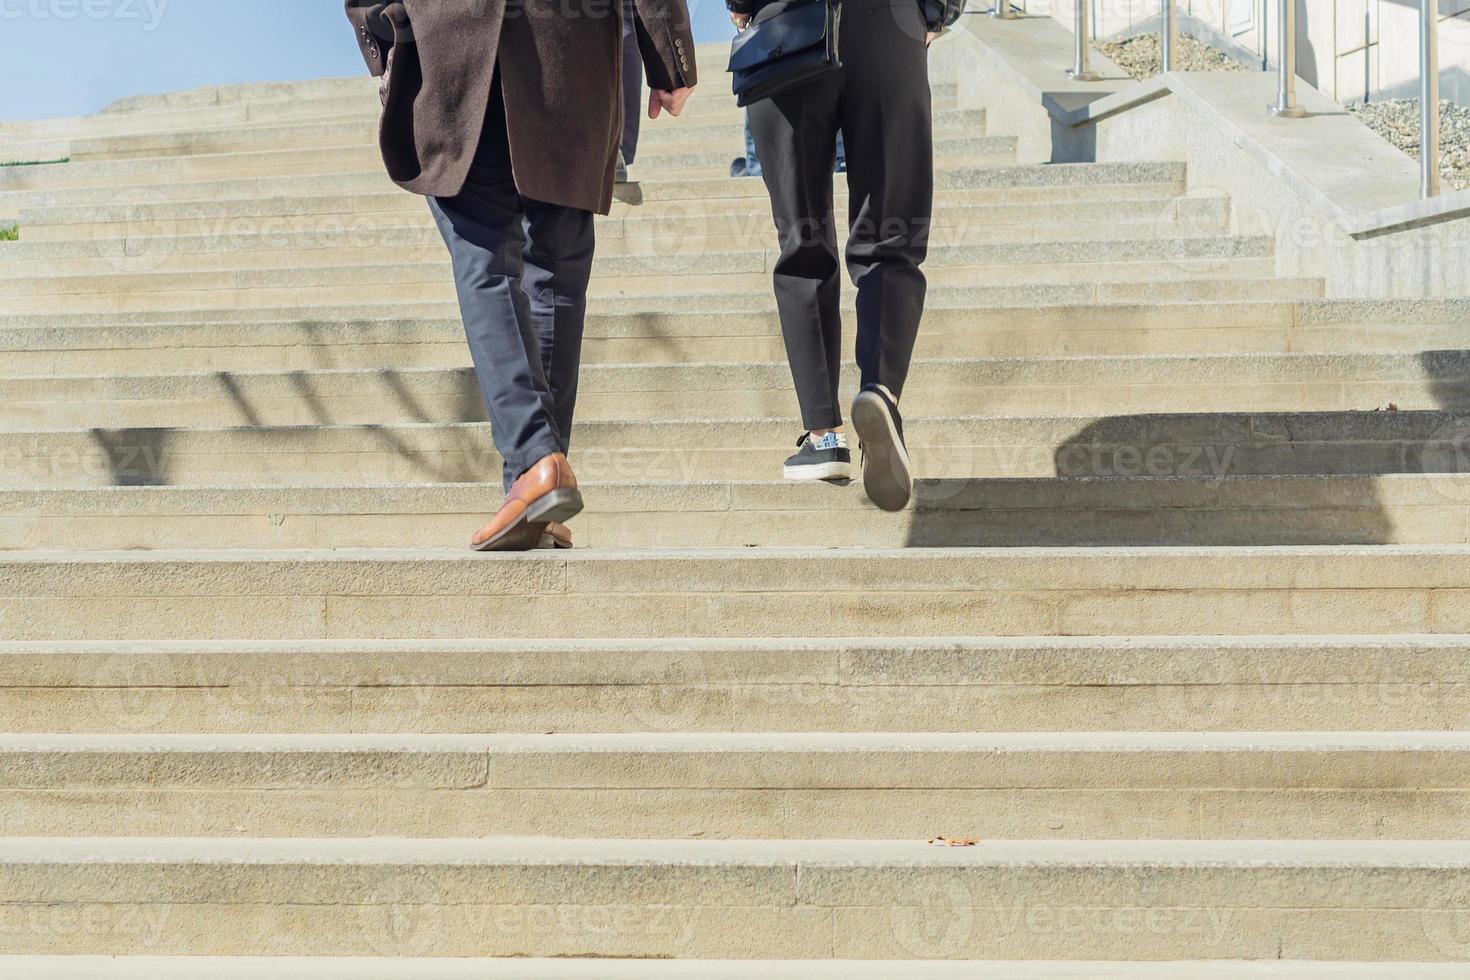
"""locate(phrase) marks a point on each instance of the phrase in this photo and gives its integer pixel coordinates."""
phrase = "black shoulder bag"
(941, 15)
(789, 43)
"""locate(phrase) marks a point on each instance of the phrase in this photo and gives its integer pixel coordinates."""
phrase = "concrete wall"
(1426, 262)
(1349, 49)
(1001, 76)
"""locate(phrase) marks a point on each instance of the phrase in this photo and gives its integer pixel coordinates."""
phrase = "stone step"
(355, 104)
(358, 166)
(698, 271)
(389, 594)
(899, 684)
(687, 203)
(286, 223)
(666, 231)
(359, 170)
(1038, 285)
(353, 117)
(63, 137)
(1370, 900)
(266, 94)
(684, 195)
(1294, 510)
(1427, 381)
(1083, 786)
(298, 340)
(326, 99)
(144, 177)
(192, 107)
(362, 128)
(412, 237)
(701, 283)
(525, 968)
(260, 96)
(1202, 445)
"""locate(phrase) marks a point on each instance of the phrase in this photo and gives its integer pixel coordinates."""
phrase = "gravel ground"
(1397, 120)
(1139, 55)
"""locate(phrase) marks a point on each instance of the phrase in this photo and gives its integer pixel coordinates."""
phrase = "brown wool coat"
(561, 72)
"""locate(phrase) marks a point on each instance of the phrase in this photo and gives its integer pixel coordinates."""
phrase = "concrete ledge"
(1341, 202)
(1391, 900)
(734, 592)
(1341, 167)
(1078, 684)
(382, 968)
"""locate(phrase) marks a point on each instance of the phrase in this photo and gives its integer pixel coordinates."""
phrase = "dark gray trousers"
(521, 268)
(880, 101)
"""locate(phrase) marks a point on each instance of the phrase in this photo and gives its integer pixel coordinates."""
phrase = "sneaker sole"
(886, 474)
(815, 473)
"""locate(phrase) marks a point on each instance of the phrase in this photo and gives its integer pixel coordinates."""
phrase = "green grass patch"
(11, 234)
(36, 163)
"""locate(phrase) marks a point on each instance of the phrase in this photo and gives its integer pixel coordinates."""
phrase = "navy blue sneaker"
(886, 473)
(827, 458)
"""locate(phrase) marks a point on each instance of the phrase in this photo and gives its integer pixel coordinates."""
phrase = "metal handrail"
(1081, 71)
(1169, 36)
(1286, 106)
(1003, 10)
(1428, 98)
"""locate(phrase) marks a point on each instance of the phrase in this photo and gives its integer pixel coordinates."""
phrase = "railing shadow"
(1220, 479)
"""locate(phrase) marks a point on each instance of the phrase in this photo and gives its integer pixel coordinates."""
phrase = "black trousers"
(880, 101)
(521, 269)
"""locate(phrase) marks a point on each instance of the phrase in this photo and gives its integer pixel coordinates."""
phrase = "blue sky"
(70, 57)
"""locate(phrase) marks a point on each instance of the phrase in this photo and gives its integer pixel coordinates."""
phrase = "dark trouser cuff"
(518, 465)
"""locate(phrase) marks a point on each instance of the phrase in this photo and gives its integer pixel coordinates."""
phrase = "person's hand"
(741, 21)
(662, 99)
(929, 38)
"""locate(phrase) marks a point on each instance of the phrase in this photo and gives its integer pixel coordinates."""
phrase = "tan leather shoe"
(546, 492)
(557, 536)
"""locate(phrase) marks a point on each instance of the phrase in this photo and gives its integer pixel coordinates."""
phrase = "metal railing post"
(1428, 98)
(1002, 10)
(1265, 35)
(1286, 62)
(1169, 36)
(1080, 70)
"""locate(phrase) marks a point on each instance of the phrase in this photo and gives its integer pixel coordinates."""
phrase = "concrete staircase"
(1178, 630)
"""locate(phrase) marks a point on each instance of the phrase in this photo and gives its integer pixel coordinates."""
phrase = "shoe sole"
(818, 472)
(525, 534)
(886, 474)
(558, 506)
